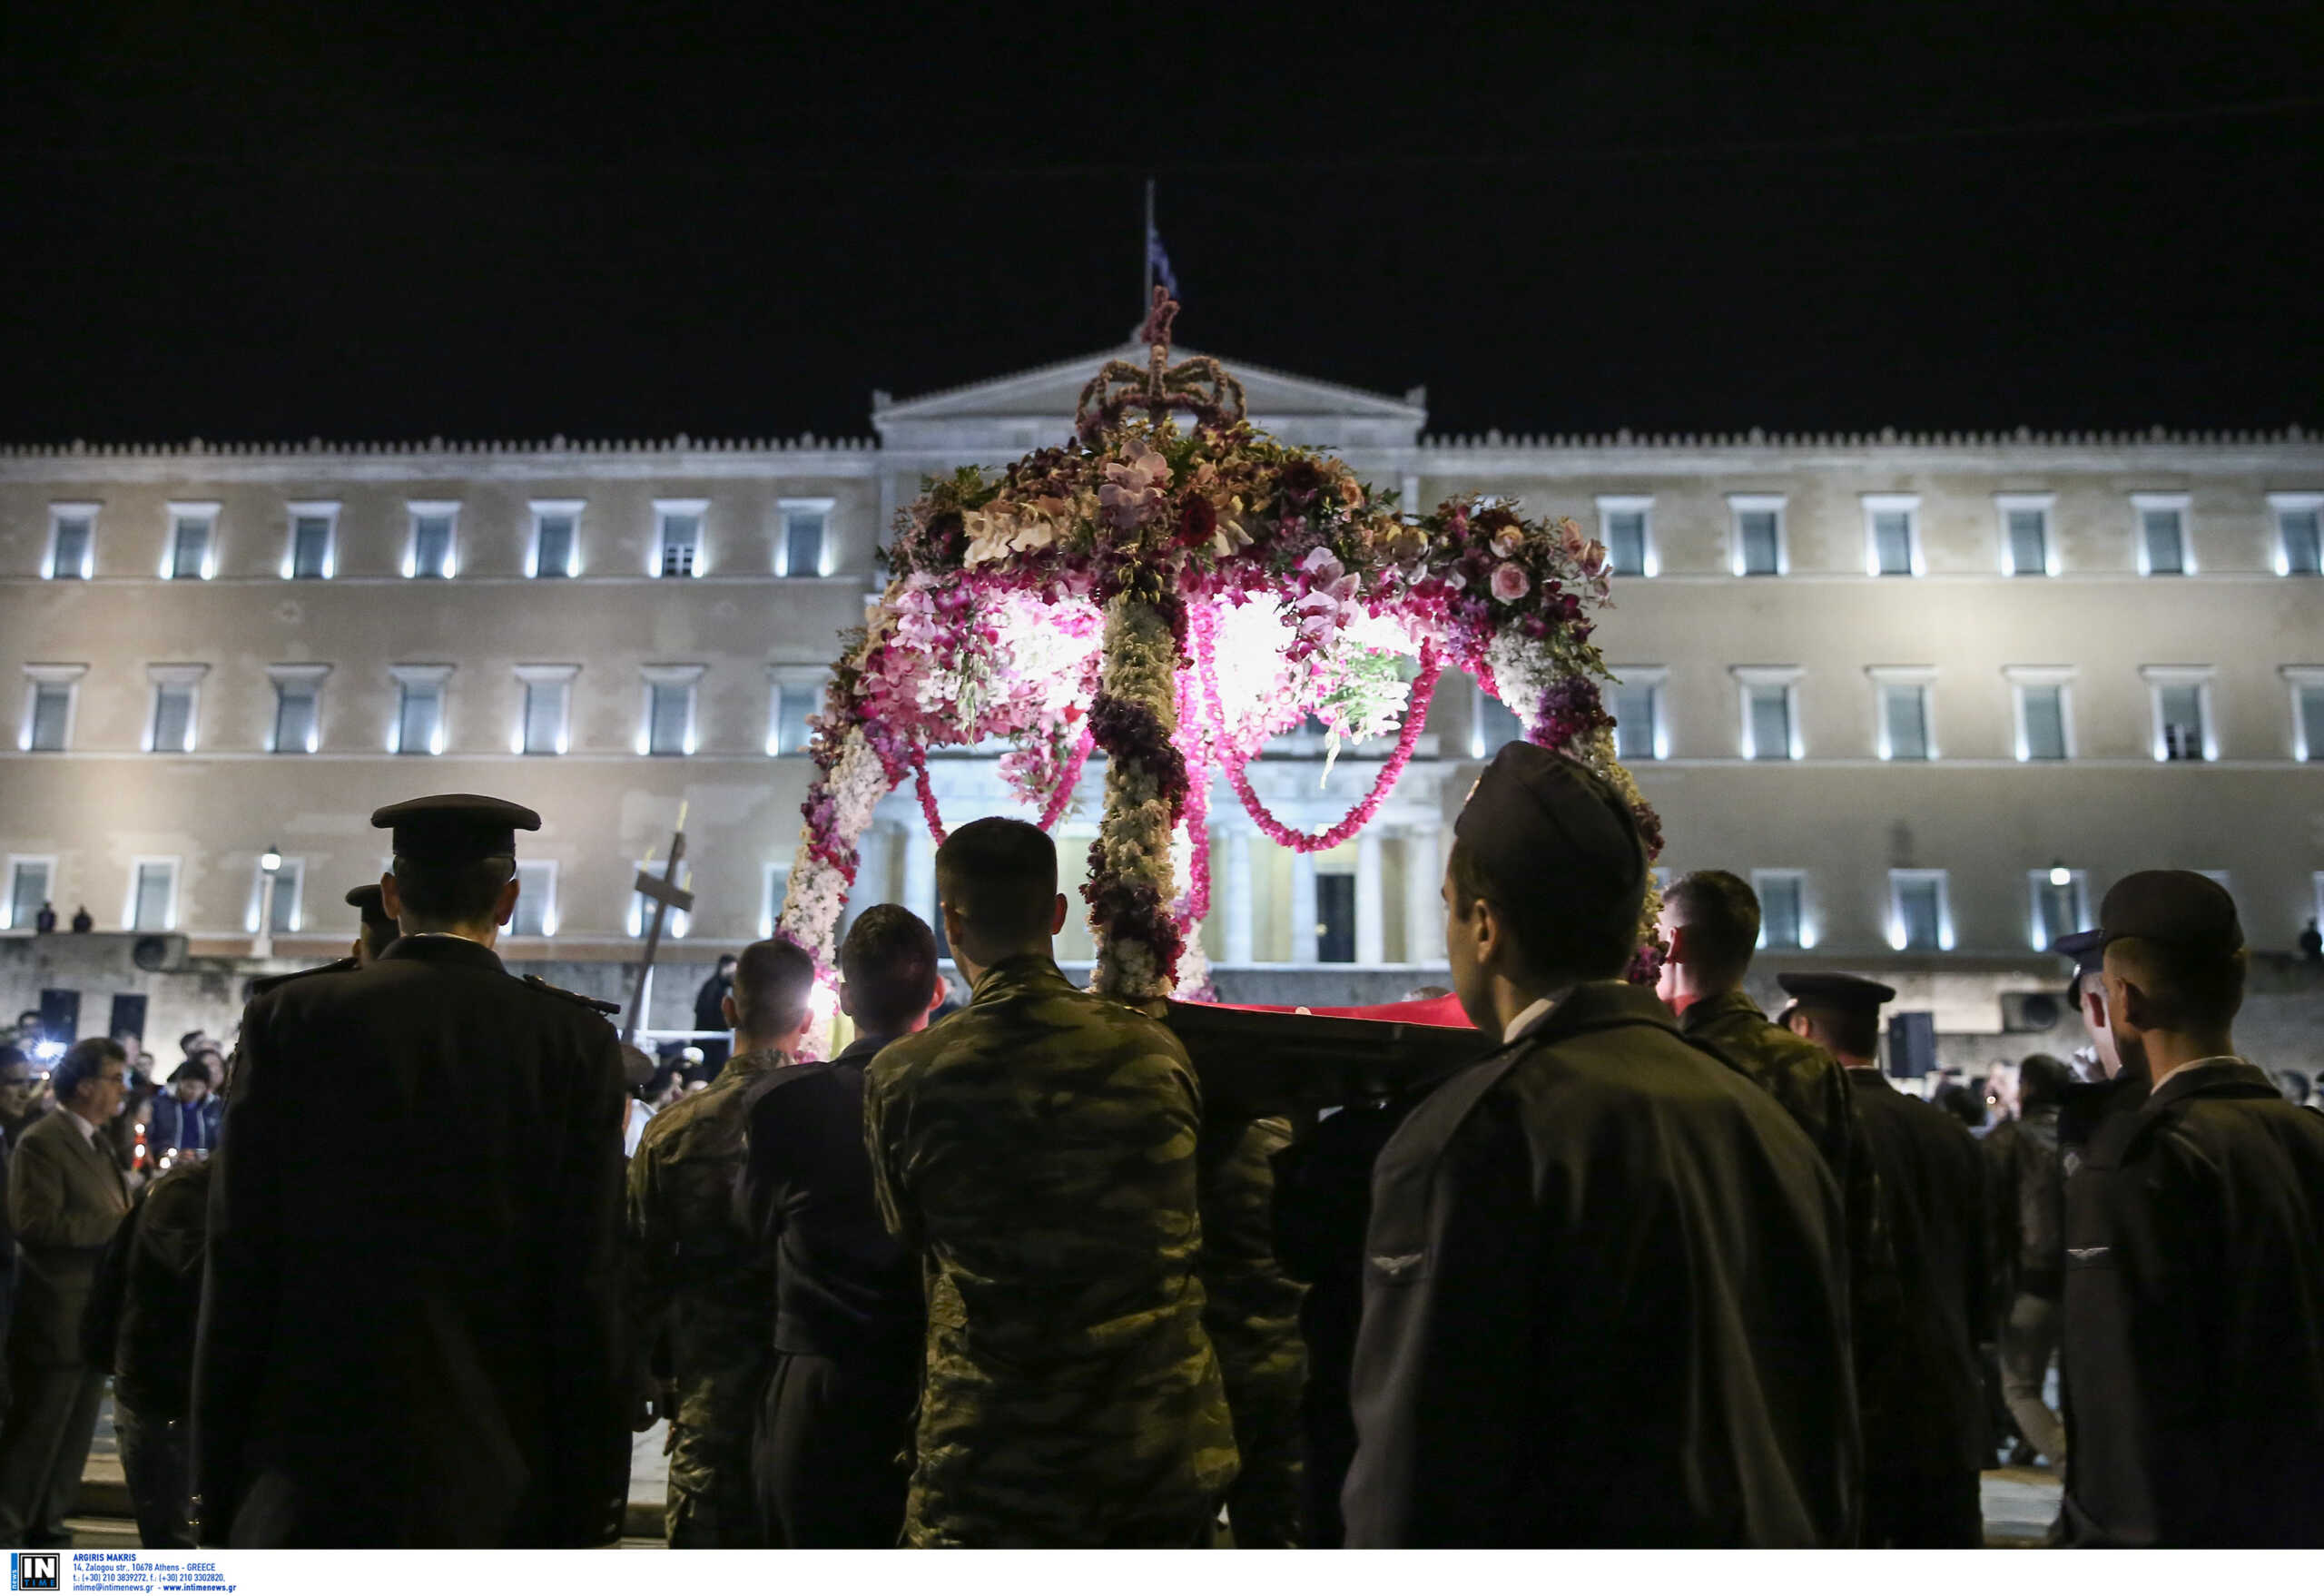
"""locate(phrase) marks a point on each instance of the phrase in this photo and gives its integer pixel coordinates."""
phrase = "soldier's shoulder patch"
(267, 983)
(599, 1004)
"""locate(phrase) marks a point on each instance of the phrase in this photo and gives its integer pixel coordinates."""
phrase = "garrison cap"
(2191, 912)
(1536, 815)
(453, 828)
(1850, 994)
(367, 899)
(2086, 948)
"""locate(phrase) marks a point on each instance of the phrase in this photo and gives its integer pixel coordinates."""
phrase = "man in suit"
(65, 1196)
(1605, 1296)
(1925, 1432)
(2194, 1269)
(410, 1321)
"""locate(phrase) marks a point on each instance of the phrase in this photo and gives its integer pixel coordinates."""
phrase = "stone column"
(1371, 933)
(1304, 948)
(1236, 894)
(920, 872)
(1424, 902)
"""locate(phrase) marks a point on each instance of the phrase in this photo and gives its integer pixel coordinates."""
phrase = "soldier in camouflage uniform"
(1251, 1311)
(698, 1287)
(1038, 1149)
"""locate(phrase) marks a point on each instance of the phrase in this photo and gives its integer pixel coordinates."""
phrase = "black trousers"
(153, 1464)
(44, 1446)
(1924, 1512)
(828, 1458)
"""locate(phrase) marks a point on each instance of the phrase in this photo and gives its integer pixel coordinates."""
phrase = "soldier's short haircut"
(1720, 913)
(1000, 876)
(889, 962)
(2192, 988)
(459, 893)
(81, 1062)
(1562, 929)
(1853, 1031)
(774, 981)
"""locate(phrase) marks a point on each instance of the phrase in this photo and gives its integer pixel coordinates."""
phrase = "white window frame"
(2043, 503)
(545, 897)
(1655, 679)
(202, 510)
(2183, 503)
(1737, 504)
(1898, 881)
(2315, 897)
(688, 676)
(188, 676)
(2040, 933)
(810, 679)
(542, 508)
(295, 871)
(325, 510)
(530, 676)
(2307, 741)
(783, 510)
(2059, 676)
(36, 677)
(677, 922)
(59, 513)
(2279, 505)
(408, 676)
(47, 862)
(1787, 677)
(276, 674)
(1642, 504)
(137, 865)
(1759, 880)
(2199, 677)
(1880, 503)
(663, 509)
(1887, 676)
(414, 510)
(774, 868)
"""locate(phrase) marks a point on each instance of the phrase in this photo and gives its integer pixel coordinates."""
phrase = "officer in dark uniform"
(1605, 1293)
(1926, 1438)
(2194, 1296)
(410, 1330)
(378, 928)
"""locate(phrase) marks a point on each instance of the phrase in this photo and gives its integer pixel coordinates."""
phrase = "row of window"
(2184, 727)
(1920, 907)
(543, 727)
(432, 549)
(1768, 728)
(1758, 544)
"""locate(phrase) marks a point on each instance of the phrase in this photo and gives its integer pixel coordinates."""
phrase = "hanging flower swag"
(1174, 597)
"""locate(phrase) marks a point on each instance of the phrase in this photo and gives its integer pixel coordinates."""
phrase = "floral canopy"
(1174, 595)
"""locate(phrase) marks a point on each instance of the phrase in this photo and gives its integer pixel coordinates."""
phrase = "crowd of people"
(1655, 1269)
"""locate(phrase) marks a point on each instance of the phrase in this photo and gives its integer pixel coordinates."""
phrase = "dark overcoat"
(411, 1319)
(1604, 1304)
(2194, 1318)
(1931, 1418)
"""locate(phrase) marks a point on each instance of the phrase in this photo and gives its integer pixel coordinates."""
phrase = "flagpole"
(1146, 262)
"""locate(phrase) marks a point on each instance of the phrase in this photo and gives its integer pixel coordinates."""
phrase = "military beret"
(453, 828)
(1850, 994)
(2190, 911)
(367, 899)
(1535, 816)
(2086, 948)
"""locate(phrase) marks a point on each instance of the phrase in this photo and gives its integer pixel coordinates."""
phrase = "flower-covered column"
(1131, 883)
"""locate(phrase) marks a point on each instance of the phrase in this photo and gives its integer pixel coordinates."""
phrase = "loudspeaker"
(1912, 1045)
(2030, 1011)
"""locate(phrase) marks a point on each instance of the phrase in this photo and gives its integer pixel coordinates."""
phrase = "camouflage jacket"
(1038, 1149)
(1813, 1089)
(701, 1294)
(1251, 1311)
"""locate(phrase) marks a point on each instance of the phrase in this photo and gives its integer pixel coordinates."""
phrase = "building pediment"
(1004, 416)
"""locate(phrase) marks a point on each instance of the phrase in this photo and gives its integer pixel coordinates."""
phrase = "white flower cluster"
(1141, 667)
(1523, 670)
(817, 895)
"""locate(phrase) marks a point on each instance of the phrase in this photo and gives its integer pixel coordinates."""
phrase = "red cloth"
(1443, 1011)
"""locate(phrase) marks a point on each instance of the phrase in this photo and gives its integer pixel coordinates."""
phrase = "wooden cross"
(666, 894)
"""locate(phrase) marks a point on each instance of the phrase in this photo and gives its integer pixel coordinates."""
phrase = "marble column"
(1304, 941)
(1236, 888)
(920, 872)
(1371, 932)
(1424, 901)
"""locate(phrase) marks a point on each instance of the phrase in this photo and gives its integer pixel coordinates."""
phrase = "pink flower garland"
(1067, 779)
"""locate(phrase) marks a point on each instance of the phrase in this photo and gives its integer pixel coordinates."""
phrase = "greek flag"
(1158, 261)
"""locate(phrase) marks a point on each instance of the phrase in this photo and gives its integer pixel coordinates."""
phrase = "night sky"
(501, 222)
